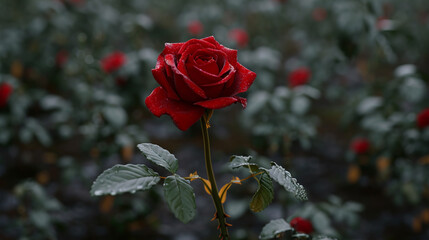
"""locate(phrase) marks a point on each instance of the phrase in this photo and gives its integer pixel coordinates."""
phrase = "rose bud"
(195, 28)
(302, 225)
(360, 146)
(61, 58)
(239, 36)
(113, 62)
(423, 118)
(5, 92)
(194, 76)
(299, 76)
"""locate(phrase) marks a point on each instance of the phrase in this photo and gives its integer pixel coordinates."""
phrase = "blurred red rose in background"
(319, 14)
(61, 58)
(302, 225)
(360, 145)
(5, 92)
(196, 75)
(240, 36)
(299, 76)
(113, 61)
(423, 118)
(195, 28)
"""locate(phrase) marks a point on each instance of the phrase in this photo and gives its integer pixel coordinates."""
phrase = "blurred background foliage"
(339, 100)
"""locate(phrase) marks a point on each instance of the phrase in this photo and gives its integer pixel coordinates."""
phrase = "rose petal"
(209, 66)
(191, 42)
(217, 102)
(211, 40)
(199, 76)
(184, 115)
(171, 48)
(243, 79)
(230, 53)
(187, 56)
(186, 89)
(214, 90)
(242, 101)
(160, 77)
(224, 65)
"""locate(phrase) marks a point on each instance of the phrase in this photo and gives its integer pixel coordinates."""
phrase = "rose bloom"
(113, 62)
(61, 58)
(360, 146)
(5, 92)
(195, 28)
(194, 76)
(299, 76)
(240, 36)
(302, 225)
(423, 118)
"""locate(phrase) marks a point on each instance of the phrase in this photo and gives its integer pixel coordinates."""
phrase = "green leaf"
(284, 178)
(124, 178)
(242, 161)
(159, 156)
(264, 195)
(273, 228)
(180, 197)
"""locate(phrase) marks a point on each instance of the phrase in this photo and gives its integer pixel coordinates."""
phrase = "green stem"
(214, 192)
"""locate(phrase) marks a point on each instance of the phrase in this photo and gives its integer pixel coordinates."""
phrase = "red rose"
(197, 75)
(113, 61)
(302, 225)
(423, 118)
(239, 36)
(61, 58)
(360, 146)
(299, 76)
(5, 91)
(195, 28)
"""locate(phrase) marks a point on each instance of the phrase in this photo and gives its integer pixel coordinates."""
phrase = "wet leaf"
(180, 197)
(284, 178)
(264, 195)
(273, 228)
(124, 178)
(159, 156)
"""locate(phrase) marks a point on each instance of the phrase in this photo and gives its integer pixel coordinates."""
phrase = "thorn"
(226, 215)
(215, 217)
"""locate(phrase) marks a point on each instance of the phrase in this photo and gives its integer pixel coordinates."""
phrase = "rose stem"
(214, 192)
